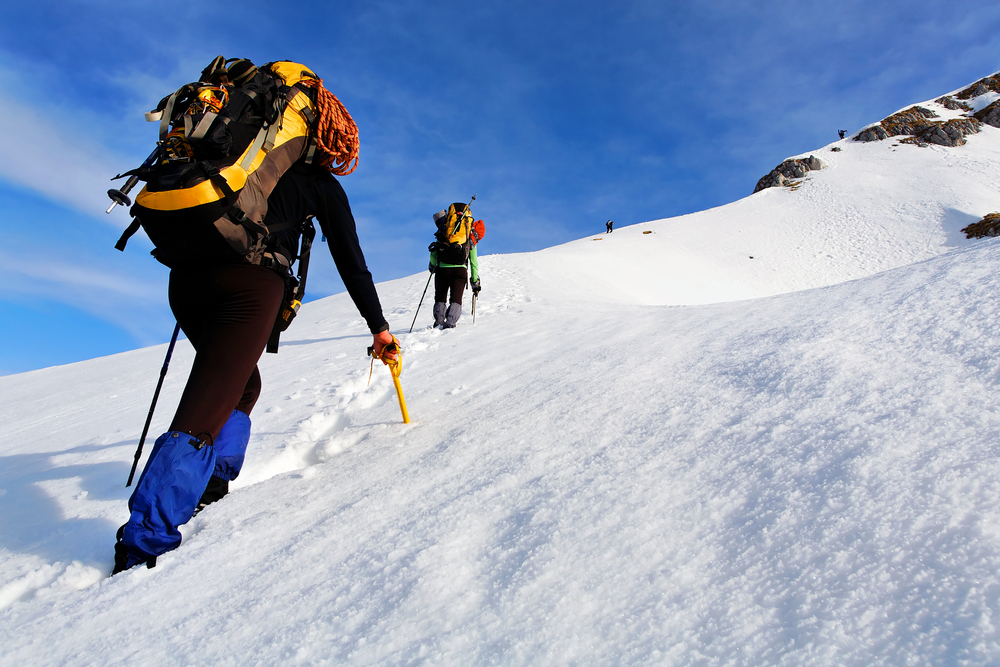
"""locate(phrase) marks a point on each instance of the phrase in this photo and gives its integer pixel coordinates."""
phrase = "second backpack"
(454, 235)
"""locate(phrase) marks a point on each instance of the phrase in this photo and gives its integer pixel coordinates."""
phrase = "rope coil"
(337, 137)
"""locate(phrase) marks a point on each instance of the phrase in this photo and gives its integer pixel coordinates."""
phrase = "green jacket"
(473, 264)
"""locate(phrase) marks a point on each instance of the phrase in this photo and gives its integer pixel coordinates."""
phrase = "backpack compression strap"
(127, 234)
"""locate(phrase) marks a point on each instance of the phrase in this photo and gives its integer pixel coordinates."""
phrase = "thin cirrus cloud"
(132, 302)
(52, 153)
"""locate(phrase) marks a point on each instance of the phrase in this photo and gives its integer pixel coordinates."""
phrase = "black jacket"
(303, 191)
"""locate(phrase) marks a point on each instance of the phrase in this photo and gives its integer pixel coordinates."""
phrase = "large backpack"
(225, 140)
(454, 235)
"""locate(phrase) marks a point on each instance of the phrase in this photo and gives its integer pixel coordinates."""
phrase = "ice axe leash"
(156, 395)
(395, 368)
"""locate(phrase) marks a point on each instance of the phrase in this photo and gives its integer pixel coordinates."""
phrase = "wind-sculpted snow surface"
(693, 446)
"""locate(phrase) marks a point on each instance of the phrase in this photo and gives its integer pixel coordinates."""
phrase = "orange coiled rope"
(337, 140)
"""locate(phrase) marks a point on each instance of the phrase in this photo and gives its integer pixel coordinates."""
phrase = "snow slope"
(875, 206)
(649, 449)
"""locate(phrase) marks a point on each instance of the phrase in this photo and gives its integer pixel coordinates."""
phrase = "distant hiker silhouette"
(610, 224)
(453, 255)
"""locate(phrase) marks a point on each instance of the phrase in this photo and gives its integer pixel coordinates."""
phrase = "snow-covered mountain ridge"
(874, 206)
(761, 434)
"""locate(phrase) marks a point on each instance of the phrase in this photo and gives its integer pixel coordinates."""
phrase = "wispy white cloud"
(132, 302)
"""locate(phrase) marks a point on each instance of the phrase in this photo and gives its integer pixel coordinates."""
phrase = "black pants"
(227, 313)
(453, 278)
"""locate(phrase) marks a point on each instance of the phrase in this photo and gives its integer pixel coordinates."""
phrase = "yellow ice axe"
(395, 368)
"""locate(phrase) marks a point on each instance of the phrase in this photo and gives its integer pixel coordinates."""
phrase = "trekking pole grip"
(120, 197)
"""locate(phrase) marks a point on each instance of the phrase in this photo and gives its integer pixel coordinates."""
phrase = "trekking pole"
(156, 395)
(421, 302)
(468, 208)
(120, 197)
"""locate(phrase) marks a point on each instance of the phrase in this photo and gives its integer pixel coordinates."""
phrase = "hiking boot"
(217, 488)
(126, 560)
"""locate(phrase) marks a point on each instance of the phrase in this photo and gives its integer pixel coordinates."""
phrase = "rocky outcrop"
(910, 121)
(989, 115)
(950, 133)
(873, 133)
(981, 87)
(788, 171)
(916, 126)
(988, 226)
(949, 102)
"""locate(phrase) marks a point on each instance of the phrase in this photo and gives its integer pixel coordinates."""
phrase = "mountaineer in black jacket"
(227, 309)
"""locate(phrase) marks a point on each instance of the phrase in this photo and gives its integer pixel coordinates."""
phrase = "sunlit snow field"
(767, 433)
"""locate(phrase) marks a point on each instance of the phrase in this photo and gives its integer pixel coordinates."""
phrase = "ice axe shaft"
(395, 369)
(399, 395)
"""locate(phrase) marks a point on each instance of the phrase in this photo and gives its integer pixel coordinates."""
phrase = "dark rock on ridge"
(788, 171)
(989, 115)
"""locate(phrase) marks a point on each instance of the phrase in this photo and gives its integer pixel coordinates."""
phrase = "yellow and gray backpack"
(224, 142)
(454, 235)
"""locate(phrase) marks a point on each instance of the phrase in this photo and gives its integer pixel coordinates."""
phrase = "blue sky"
(559, 115)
